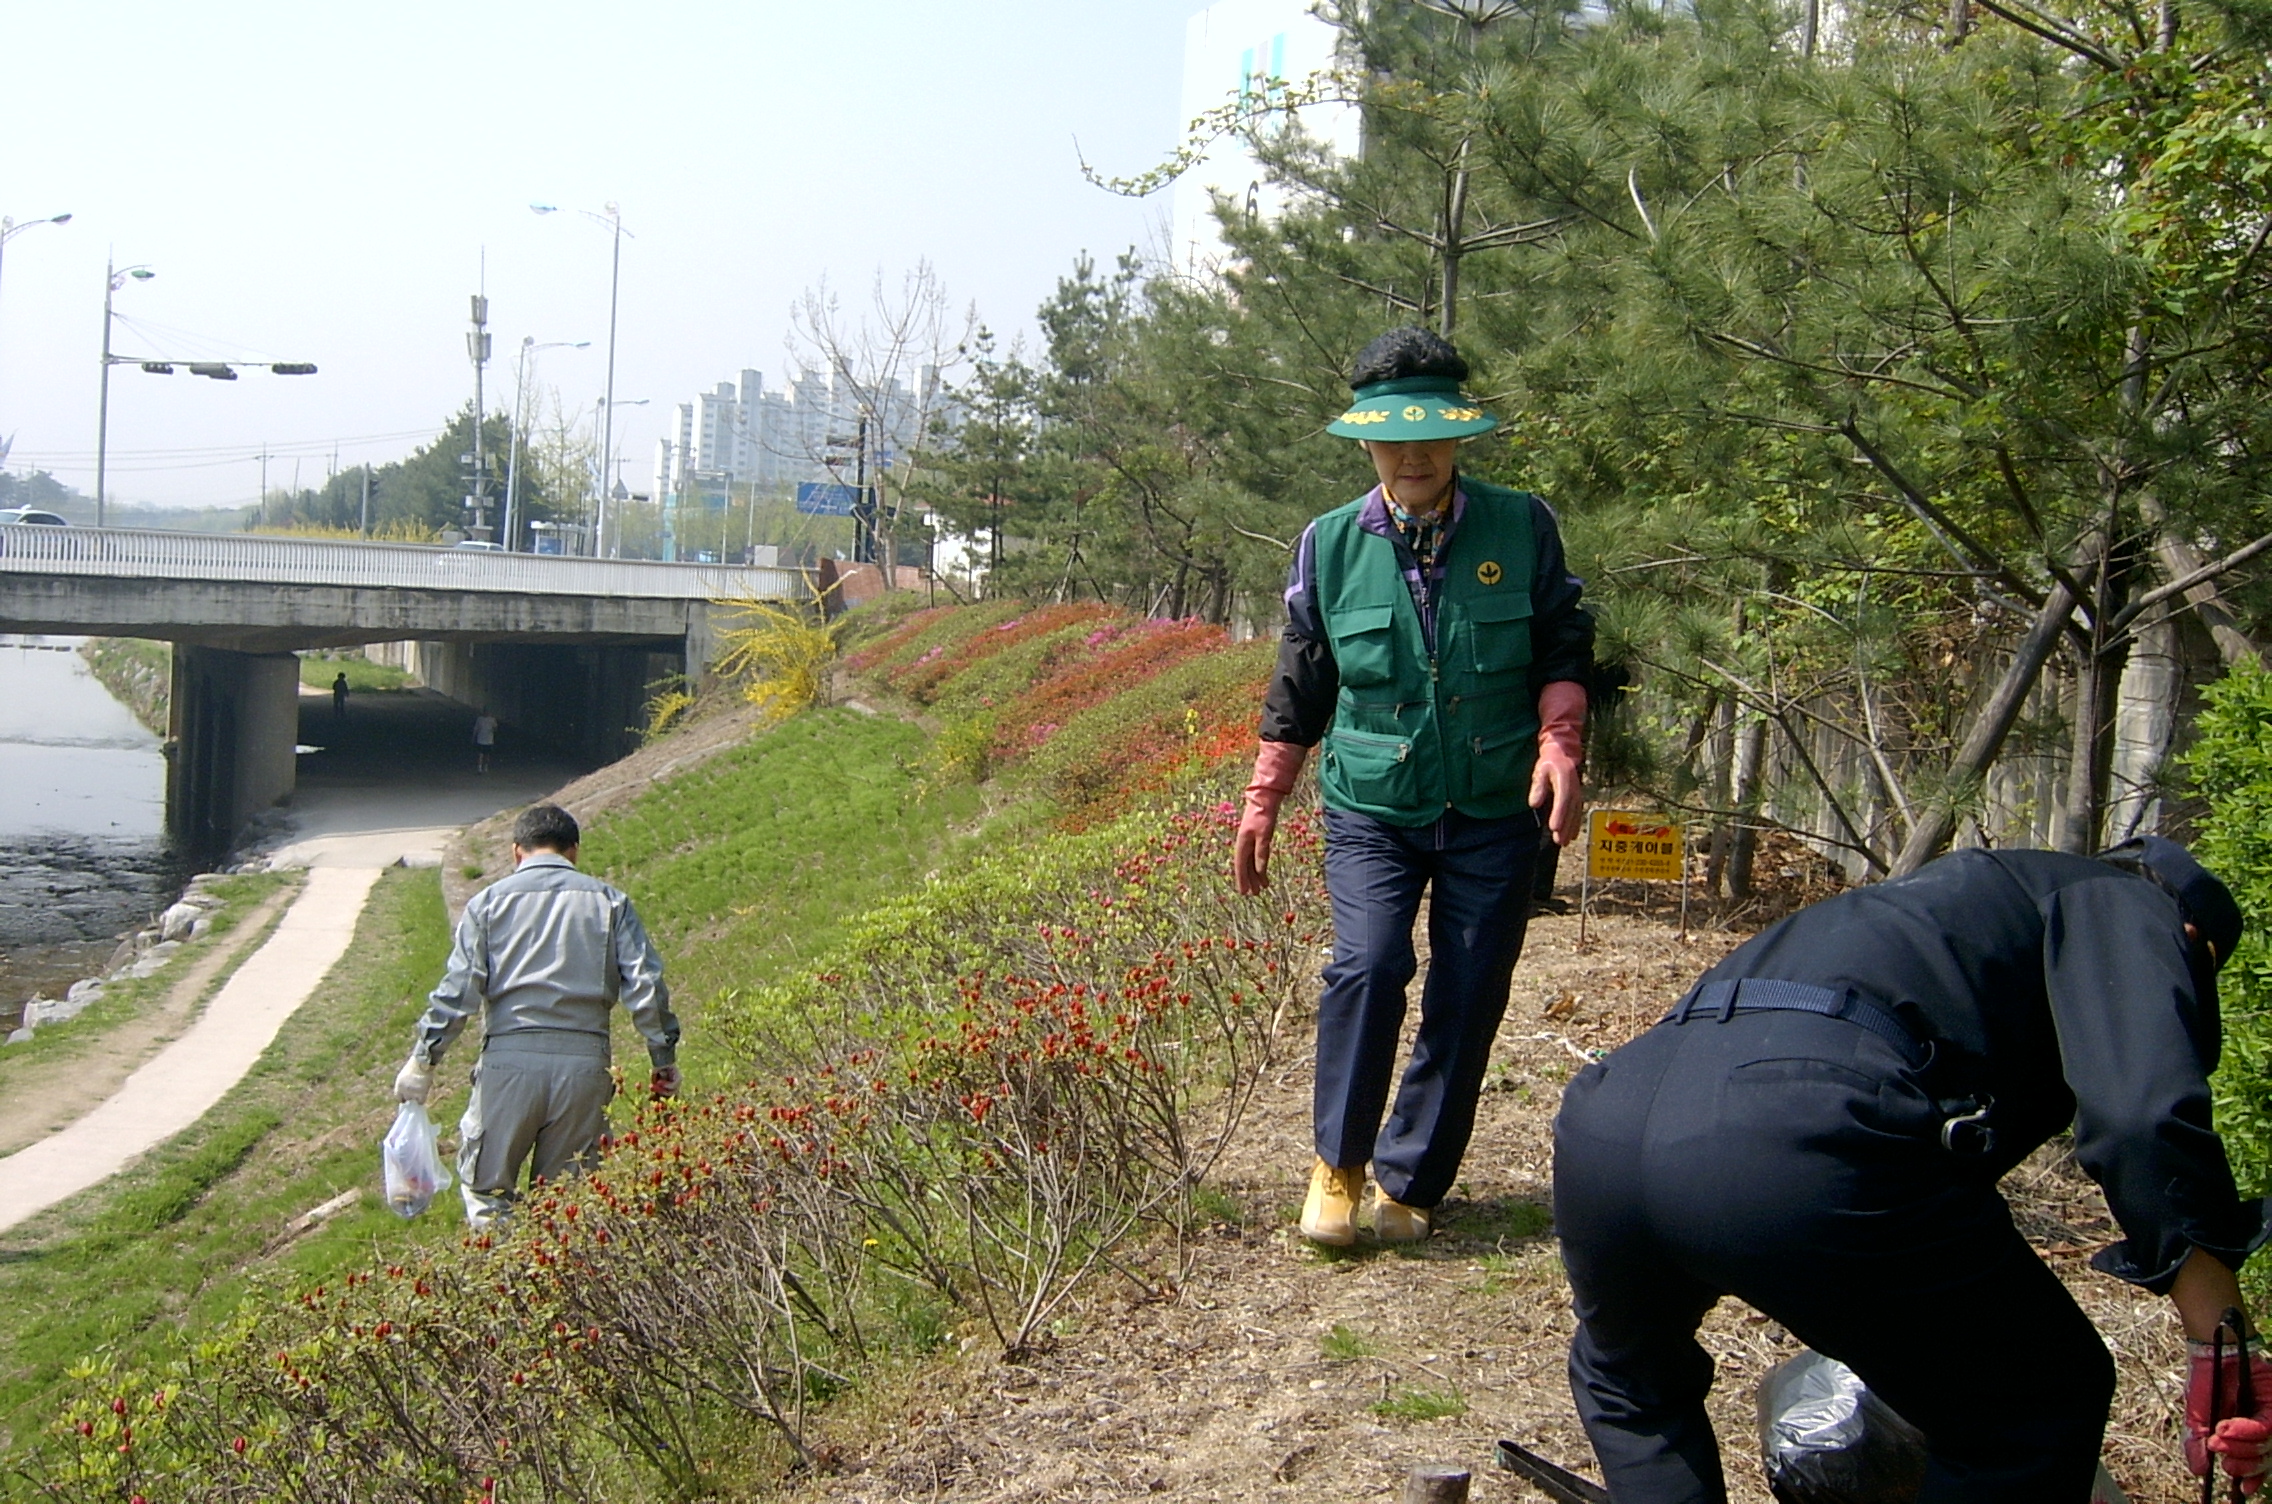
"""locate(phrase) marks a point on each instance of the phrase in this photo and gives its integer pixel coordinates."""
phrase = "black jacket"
(2065, 989)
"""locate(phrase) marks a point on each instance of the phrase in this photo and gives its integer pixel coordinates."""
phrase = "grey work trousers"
(539, 1095)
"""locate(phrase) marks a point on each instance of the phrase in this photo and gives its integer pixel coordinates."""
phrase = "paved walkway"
(389, 783)
(176, 1087)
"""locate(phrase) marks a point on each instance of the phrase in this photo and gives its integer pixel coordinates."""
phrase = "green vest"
(1414, 735)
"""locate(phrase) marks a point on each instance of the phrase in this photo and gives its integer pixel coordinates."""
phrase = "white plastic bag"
(415, 1172)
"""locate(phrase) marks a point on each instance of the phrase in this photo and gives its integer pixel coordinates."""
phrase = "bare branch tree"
(889, 364)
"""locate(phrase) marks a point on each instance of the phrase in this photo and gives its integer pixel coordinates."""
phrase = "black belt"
(1965, 1131)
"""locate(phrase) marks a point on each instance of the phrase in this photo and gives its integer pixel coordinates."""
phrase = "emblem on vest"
(1488, 571)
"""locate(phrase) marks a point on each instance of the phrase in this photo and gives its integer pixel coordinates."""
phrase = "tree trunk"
(2145, 726)
(1719, 750)
(2178, 558)
(1743, 838)
(1985, 739)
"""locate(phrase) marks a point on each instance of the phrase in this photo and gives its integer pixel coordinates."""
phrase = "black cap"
(2208, 904)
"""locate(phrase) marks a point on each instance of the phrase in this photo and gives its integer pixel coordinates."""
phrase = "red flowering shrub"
(922, 679)
(1008, 1075)
(1130, 658)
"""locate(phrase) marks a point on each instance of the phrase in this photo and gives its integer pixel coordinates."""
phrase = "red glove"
(1561, 742)
(2216, 1420)
(1276, 766)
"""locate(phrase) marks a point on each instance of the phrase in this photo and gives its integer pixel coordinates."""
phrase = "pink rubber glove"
(1561, 742)
(2215, 1423)
(1276, 766)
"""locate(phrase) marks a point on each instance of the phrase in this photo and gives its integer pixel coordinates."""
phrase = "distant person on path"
(484, 740)
(1436, 646)
(542, 953)
(339, 695)
(1818, 1128)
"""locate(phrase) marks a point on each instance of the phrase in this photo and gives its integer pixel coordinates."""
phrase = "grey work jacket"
(548, 948)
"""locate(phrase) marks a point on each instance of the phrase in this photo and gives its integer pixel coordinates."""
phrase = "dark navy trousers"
(1477, 874)
(1794, 1161)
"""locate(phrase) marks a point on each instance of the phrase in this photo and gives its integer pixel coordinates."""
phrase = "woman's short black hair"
(1407, 352)
(546, 827)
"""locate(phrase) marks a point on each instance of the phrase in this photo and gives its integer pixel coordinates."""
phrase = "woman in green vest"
(1436, 647)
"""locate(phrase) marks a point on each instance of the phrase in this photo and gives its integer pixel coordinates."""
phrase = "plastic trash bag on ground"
(1825, 1439)
(414, 1168)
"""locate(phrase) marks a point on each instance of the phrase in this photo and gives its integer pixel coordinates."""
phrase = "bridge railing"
(137, 553)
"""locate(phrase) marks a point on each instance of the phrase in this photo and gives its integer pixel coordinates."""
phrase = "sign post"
(1634, 845)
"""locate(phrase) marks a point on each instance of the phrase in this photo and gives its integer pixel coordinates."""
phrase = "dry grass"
(1264, 1374)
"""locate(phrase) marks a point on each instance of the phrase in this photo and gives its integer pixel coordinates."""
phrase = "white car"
(31, 514)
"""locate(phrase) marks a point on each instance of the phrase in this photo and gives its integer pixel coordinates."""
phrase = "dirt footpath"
(1280, 1371)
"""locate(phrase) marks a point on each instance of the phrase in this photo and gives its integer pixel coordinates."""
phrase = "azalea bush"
(1011, 1082)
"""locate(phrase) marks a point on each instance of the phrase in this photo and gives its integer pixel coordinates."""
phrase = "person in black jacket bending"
(1818, 1128)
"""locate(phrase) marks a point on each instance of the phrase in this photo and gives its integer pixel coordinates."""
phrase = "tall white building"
(743, 434)
(1249, 50)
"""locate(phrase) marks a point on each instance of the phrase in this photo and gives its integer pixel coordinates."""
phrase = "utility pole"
(366, 501)
(477, 346)
(264, 480)
(607, 439)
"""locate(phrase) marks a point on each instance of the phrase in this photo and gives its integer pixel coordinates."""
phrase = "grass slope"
(172, 1244)
(749, 865)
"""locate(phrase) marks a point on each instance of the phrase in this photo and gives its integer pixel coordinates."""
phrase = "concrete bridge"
(562, 648)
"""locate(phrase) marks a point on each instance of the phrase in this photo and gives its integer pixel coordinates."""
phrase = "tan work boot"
(1394, 1222)
(1329, 1215)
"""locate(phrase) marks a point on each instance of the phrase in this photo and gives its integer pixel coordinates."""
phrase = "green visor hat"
(1412, 408)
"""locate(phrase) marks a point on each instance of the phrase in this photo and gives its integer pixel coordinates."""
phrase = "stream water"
(83, 858)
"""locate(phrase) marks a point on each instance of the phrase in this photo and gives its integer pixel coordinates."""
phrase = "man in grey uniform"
(543, 952)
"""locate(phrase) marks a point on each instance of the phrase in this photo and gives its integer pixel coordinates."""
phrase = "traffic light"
(158, 367)
(218, 371)
(294, 368)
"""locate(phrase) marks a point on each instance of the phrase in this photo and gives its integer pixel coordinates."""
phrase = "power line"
(296, 446)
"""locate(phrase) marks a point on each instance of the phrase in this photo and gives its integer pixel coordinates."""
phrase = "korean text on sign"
(1626, 844)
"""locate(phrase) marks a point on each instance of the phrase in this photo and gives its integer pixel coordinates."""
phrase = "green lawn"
(175, 1242)
(363, 676)
(747, 866)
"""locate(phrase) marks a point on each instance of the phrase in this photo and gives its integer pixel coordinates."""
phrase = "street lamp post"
(529, 351)
(113, 280)
(612, 217)
(609, 464)
(116, 277)
(9, 229)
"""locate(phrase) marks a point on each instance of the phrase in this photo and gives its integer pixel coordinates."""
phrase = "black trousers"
(1793, 1161)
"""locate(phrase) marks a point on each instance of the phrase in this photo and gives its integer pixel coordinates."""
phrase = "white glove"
(414, 1082)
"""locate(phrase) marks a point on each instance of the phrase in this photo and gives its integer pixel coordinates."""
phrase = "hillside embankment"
(985, 1188)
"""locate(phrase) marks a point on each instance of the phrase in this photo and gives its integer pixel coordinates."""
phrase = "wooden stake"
(1437, 1483)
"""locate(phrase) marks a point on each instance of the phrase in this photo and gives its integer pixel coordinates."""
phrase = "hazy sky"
(318, 182)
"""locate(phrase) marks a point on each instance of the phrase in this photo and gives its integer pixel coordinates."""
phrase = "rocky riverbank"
(138, 673)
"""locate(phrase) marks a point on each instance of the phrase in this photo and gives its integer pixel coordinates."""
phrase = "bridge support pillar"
(235, 722)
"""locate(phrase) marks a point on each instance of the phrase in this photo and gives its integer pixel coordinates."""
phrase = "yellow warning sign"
(1625, 843)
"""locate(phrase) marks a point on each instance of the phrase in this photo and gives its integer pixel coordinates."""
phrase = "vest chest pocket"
(1364, 644)
(1378, 770)
(1498, 631)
